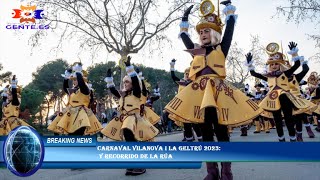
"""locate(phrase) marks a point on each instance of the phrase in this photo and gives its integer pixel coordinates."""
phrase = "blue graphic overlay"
(23, 151)
(60, 153)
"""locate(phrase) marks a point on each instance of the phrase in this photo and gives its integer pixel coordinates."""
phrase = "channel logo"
(28, 14)
(28, 17)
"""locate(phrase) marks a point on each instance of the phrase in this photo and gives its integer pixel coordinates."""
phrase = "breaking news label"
(86, 152)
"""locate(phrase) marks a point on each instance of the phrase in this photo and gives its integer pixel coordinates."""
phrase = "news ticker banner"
(86, 152)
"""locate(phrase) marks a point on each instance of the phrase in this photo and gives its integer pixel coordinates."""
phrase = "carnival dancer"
(10, 108)
(209, 99)
(77, 118)
(131, 125)
(279, 99)
(295, 82)
(260, 123)
(187, 126)
(244, 128)
(314, 88)
(265, 114)
(147, 99)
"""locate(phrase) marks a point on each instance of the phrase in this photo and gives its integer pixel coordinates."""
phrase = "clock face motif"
(206, 7)
(272, 48)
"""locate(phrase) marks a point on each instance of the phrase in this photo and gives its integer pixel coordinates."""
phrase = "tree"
(31, 100)
(98, 72)
(118, 26)
(301, 10)
(237, 73)
(4, 77)
(48, 79)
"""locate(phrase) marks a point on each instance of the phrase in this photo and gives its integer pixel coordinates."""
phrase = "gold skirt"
(177, 120)
(312, 107)
(233, 106)
(8, 124)
(3, 128)
(315, 110)
(272, 102)
(74, 118)
(151, 115)
(142, 129)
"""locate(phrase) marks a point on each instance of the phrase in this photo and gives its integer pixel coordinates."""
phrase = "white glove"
(109, 81)
(229, 9)
(103, 115)
(157, 92)
(172, 63)
(141, 76)
(89, 86)
(293, 51)
(66, 74)
(77, 68)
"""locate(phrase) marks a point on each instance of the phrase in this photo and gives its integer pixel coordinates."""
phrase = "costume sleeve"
(317, 96)
(66, 85)
(4, 98)
(290, 71)
(136, 90)
(250, 95)
(187, 41)
(115, 92)
(154, 98)
(258, 75)
(305, 69)
(15, 100)
(227, 37)
(144, 89)
(174, 77)
(84, 89)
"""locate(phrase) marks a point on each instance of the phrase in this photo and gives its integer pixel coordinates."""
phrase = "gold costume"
(278, 86)
(295, 90)
(75, 116)
(148, 112)
(130, 118)
(234, 107)
(317, 102)
(11, 119)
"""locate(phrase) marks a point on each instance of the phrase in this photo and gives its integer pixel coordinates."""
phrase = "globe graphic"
(23, 151)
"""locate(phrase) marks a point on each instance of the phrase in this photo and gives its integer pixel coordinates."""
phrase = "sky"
(254, 18)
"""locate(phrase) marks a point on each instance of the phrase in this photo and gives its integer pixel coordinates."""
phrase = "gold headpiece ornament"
(274, 55)
(208, 18)
(313, 79)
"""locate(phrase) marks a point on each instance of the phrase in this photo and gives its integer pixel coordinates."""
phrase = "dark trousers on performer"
(129, 137)
(79, 132)
(318, 121)
(299, 119)
(189, 133)
(221, 131)
(286, 107)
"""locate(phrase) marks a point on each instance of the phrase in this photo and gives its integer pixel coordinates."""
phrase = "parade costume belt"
(74, 118)
(141, 128)
(233, 106)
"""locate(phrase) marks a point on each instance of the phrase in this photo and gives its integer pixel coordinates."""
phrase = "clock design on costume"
(206, 7)
(272, 48)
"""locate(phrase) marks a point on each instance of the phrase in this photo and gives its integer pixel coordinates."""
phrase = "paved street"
(241, 170)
